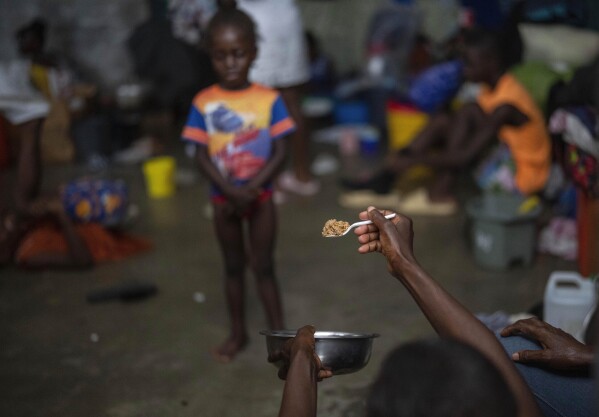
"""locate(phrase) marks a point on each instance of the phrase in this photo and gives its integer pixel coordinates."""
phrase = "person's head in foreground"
(439, 378)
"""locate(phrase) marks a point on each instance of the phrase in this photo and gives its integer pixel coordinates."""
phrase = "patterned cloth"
(497, 171)
(238, 128)
(578, 148)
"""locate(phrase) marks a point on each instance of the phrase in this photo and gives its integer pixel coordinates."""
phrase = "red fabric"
(103, 244)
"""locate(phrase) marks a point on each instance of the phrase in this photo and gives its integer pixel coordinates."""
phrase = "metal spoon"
(351, 226)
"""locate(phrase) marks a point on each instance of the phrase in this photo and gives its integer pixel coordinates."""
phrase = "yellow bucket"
(159, 174)
(403, 123)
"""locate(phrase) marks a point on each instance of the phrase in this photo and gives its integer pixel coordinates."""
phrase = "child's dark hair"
(505, 45)
(231, 16)
(36, 27)
(438, 378)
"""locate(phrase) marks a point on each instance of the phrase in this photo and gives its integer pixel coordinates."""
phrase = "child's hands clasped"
(241, 198)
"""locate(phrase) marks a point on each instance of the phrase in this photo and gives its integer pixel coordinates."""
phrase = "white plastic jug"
(568, 300)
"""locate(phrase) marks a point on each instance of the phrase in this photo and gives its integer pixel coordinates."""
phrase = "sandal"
(419, 203)
(364, 198)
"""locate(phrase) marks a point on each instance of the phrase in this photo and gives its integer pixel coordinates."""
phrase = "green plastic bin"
(501, 236)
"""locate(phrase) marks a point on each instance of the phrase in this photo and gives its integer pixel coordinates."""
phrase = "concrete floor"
(150, 358)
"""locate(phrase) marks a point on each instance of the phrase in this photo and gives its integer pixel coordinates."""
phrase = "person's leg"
(557, 394)
(463, 124)
(229, 231)
(395, 164)
(263, 229)
(28, 164)
(300, 142)
(451, 132)
(434, 132)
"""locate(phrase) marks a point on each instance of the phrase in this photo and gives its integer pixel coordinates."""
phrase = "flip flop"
(364, 198)
(419, 203)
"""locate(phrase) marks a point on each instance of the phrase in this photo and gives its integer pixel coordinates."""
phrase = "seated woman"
(47, 237)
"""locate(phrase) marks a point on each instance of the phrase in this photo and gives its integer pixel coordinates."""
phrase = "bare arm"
(448, 317)
(272, 167)
(302, 374)
(506, 115)
(78, 254)
(210, 170)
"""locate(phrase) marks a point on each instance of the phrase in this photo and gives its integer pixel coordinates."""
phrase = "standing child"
(239, 127)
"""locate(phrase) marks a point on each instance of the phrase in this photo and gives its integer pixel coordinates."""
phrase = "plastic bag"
(436, 86)
(100, 201)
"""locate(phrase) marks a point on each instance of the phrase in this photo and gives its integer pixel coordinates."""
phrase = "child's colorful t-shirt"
(238, 127)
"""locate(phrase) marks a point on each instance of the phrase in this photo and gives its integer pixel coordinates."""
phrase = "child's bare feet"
(227, 351)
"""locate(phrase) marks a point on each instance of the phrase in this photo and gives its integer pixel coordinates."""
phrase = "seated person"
(467, 372)
(24, 104)
(504, 110)
(46, 236)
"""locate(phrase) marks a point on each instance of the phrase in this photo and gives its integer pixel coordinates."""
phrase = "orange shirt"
(529, 144)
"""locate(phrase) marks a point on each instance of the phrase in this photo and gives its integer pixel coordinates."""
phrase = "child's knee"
(264, 271)
(235, 269)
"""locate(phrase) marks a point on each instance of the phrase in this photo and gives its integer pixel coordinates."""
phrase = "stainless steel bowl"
(342, 353)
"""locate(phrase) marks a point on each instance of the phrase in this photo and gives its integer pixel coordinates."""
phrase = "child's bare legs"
(28, 164)
(229, 230)
(263, 229)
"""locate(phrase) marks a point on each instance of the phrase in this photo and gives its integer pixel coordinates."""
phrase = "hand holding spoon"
(335, 228)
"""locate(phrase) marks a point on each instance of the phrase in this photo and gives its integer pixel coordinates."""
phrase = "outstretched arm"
(302, 371)
(450, 319)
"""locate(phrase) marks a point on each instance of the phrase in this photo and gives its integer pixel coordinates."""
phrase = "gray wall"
(91, 33)
(341, 25)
